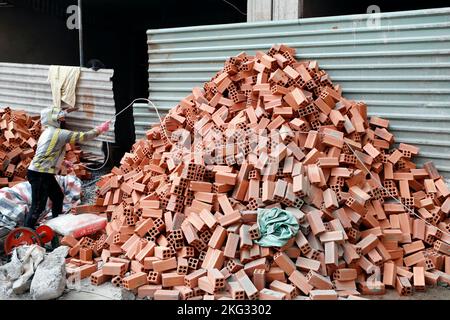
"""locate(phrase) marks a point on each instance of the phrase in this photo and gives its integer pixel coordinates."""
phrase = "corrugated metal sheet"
(143, 118)
(401, 69)
(25, 87)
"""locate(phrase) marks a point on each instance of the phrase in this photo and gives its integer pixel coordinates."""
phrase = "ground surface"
(435, 293)
(85, 291)
(109, 292)
(89, 187)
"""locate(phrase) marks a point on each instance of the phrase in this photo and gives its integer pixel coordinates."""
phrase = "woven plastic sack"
(77, 225)
(276, 226)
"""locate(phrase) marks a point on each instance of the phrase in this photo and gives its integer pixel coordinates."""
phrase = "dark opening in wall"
(116, 35)
(114, 32)
(323, 8)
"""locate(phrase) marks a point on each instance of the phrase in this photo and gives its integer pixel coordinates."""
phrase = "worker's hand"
(68, 164)
(104, 127)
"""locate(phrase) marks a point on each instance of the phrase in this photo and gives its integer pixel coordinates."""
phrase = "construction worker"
(50, 152)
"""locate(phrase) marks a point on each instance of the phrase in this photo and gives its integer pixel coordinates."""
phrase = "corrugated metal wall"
(143, 118)
(25, 87)
(401, 69)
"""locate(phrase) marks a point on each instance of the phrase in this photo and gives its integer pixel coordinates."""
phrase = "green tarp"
(276, 226)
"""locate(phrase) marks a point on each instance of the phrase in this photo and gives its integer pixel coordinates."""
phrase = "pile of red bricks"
(268, 131)
(19, 134)
(86, 251)
(74, 154)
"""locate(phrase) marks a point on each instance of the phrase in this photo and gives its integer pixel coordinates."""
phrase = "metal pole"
(301, 9)
(80, 33)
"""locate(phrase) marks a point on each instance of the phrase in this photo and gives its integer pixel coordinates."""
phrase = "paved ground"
(436, 293)
(85, 291)
(109, 292)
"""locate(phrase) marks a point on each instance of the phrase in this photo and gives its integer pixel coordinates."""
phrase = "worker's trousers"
(43, 186)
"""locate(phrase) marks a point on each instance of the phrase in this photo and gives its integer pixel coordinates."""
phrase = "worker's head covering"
(52, 117)
(95, 64)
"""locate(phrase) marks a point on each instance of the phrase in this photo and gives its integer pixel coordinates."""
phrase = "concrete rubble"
(49, 280)
(33, 274)
(15, 276)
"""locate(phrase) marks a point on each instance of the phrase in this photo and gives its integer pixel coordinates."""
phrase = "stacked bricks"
(269, 131)
(84, 256)
(18, 138)
(75, 155)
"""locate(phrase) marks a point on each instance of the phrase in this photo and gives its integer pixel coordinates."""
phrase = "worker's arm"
(73, 137)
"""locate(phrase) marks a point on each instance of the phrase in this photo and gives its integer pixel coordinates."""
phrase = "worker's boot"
(55, 242)
(30, 221)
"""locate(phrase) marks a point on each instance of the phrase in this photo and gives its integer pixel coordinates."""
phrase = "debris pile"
(270, 132)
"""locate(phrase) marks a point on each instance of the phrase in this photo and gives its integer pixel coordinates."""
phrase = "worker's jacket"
(51, 147)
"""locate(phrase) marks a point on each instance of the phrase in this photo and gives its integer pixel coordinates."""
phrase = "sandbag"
(77, 225)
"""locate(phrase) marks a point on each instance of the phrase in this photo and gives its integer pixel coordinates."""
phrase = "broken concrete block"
(49, 280)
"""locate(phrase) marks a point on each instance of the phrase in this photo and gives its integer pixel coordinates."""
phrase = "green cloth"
(276, 226)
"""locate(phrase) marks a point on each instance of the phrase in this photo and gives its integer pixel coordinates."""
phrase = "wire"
(108, 153)
(382, 187)
(389, 193)
(91, 183)
(104, 164)
(234, 6)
